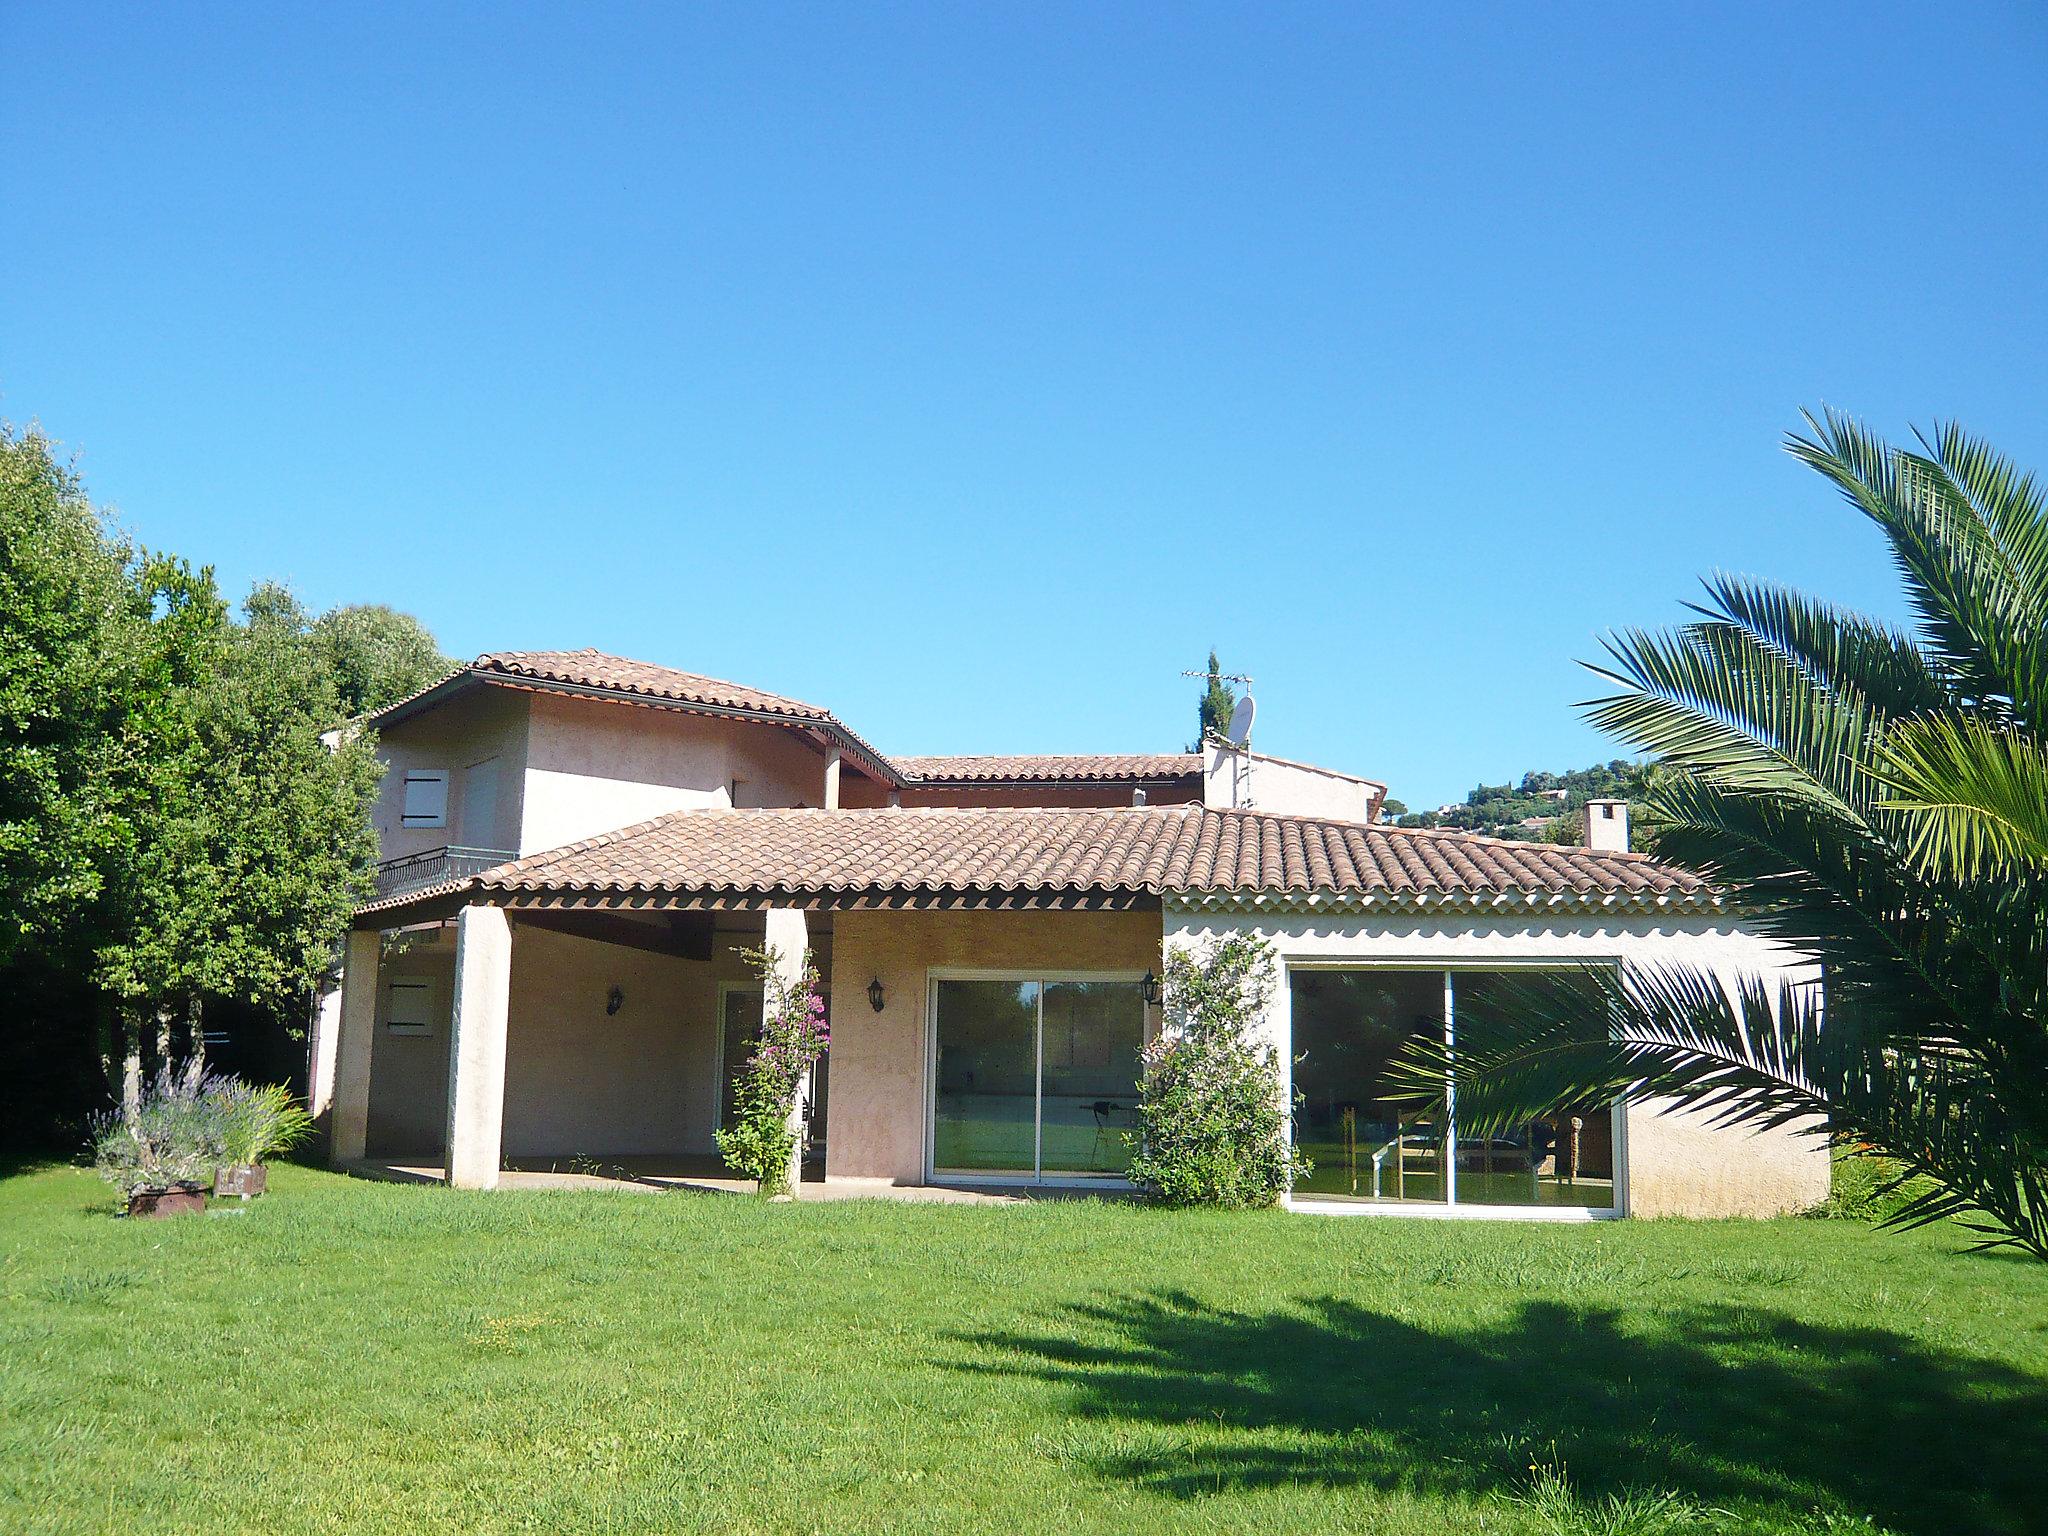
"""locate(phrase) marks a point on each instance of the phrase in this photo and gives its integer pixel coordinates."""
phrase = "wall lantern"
(876, 997)
(614, 1001)
(1152, 990)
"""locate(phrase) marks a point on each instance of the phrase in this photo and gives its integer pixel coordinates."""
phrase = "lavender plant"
(172, 1139)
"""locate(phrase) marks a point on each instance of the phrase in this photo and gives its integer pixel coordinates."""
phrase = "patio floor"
(703, 1174)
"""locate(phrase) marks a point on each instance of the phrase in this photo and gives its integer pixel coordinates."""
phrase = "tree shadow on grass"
(1726, 1406)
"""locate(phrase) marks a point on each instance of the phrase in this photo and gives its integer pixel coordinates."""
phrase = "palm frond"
(1710, 698)
(1840, 650)
(1963, 551)
(1975, 795)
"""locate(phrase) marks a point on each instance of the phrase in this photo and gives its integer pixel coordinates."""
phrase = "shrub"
(760, 1142)
(1213, 1119)
(257, 1123)
(173, 1138)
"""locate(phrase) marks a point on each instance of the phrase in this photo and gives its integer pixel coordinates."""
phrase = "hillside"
(1541, 807)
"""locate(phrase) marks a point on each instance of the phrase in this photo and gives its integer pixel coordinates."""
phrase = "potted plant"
(162, 1154)
(255, 1124)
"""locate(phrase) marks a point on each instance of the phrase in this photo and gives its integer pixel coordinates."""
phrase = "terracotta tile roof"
(1181, 852)
(1054, 768)
(626, 679)
(594, 669)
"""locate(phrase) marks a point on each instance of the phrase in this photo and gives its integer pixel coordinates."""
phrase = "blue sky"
(974, 369)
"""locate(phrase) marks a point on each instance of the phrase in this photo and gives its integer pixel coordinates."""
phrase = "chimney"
(1607, 826)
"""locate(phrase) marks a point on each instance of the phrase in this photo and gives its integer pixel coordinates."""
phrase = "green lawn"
(347, 1356)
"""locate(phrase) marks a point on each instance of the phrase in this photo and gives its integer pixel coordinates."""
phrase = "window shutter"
(426, 798)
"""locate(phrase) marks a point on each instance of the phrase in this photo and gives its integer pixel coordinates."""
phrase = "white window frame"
(932, 977)
(429, 989)
(1452, 1208)
(412, 776)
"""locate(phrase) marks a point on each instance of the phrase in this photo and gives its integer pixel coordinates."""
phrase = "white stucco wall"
(594, 765)
(1674, 1163)
(1236, 780)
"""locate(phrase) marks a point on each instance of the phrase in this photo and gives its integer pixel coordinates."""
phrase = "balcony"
(431, 866)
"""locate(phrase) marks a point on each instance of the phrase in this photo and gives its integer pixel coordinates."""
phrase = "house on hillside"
(579, 847)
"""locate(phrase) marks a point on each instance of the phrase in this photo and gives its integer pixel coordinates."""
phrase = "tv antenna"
(1222, 677)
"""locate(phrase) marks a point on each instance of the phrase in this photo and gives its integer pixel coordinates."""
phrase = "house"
(580, 847)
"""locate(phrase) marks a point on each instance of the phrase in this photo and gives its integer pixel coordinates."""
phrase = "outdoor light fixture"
(614, 1001)
(1150, 987)
(875, 995)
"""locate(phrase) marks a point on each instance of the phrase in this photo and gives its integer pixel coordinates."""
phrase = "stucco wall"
(878, 1059)
(489, 723)
(1238, 779)
(1681, 1165)
(863, 793)
(593, 766)
(581, 1081)
(1674, 1164)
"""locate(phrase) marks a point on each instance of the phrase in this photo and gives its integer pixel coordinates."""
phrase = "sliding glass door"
(1347, 1027)
(1366, 1146)
(1035, 1077)
(985, 1110)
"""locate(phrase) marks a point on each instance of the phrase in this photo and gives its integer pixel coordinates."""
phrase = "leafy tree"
(376, 656)
(173, 830)
(69, 624)
(1218, 700)
(291, 815)
(1873, 797)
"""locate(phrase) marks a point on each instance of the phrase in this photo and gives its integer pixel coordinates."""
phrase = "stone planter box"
(243, 1179)
(179, 1200)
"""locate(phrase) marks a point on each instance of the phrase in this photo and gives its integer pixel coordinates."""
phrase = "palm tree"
(1876, 798)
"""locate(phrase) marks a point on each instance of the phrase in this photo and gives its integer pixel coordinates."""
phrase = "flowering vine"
(761, 1143)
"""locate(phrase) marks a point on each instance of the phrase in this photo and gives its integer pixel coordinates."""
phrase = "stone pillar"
(832, 779)
(476, 1047)
(789, 936)
(348, 1088)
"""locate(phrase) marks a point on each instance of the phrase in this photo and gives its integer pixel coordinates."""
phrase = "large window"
(1035, 1078)
(1348, 1024)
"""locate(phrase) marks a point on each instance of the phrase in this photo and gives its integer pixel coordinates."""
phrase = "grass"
(346, 1356)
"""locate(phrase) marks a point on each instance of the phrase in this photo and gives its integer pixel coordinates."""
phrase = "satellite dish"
(1240, 731)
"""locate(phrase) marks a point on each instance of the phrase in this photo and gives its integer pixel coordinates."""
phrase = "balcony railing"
(431, 866)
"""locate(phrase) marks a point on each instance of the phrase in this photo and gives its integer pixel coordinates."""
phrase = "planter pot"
(244, 1179)
(178, 1201)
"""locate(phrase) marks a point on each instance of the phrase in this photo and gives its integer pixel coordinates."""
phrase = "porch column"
(476, 1047)
(789, 936)
(347, 1089)
(832, 779)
